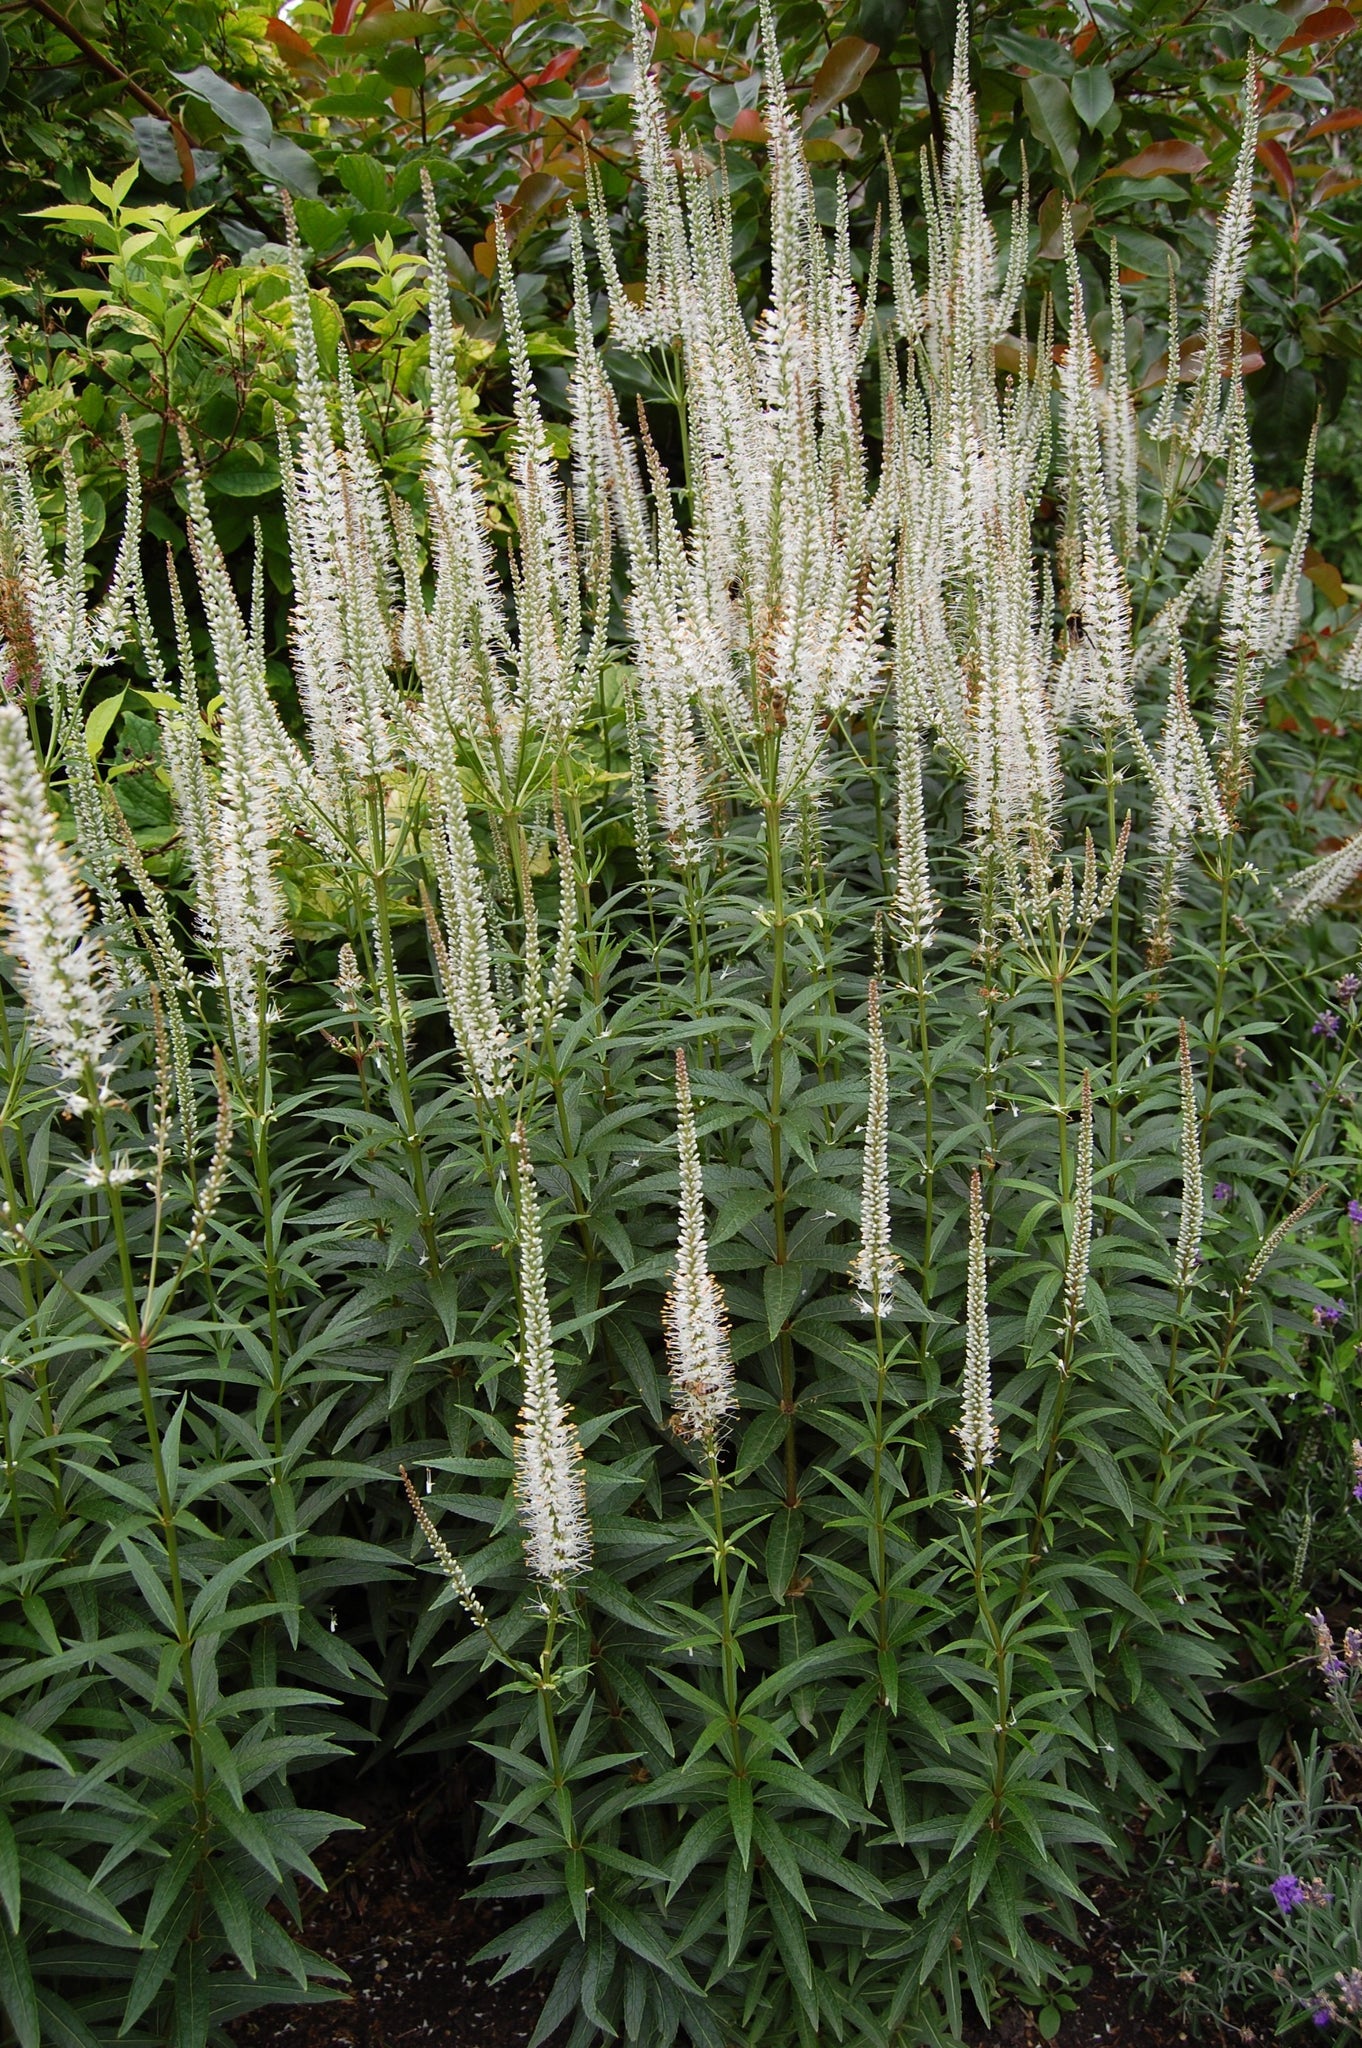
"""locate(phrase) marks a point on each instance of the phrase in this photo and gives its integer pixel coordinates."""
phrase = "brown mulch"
(396, 1919)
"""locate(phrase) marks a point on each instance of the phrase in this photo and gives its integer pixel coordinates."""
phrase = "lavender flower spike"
(1288, 1891)
(1331, 1666)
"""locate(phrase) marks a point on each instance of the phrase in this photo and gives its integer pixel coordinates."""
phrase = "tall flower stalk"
(549, 1476)
(874, 1271)
(694, 1315)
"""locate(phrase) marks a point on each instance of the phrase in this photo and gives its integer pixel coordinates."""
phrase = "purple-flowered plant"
(1222, 1191)
(1349, 1984)
(1331, 1666)
(1325, 1025)
(1288, 1891)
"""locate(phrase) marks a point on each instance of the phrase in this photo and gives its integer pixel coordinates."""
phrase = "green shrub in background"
(1130, 114)
(714, 1048)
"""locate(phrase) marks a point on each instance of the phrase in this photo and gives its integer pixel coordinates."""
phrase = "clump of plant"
(715, 1103)
(1262, 1934)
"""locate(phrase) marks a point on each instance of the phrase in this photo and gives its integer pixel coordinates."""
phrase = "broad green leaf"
(783, 1539)
(1050, 111)
(240, 112)
(782, 1287)
(100, 721)
(1093, 93)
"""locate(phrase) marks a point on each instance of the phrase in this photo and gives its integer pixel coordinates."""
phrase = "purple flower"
(1287, 1890)
(1355, 1211)
(1222, 1191)
(1352, 1657)
(1327, 1314)
(1325, 1025)
(1357, 1476)
(1350, 1984)
(1321, 2016)
(1331, 1666)
(1346, 987)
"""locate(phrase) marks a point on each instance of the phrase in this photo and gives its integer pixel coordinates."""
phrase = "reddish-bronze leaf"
(1324, 26)
(1326, 579)
(1173, 158)
(748, 126)
(296, 51)
(1277, 164)
(1334, 124)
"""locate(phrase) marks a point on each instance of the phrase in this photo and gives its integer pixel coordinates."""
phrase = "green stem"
(138, 1346)
(1146, 1550)
(877, 1494)
(1221, 975)
(775, 885)
(1057, 979)
(1113, 981)
(411, 1136)
(928, 1138)
(1002, 1684)
(261, 1118)
(728, 1644)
